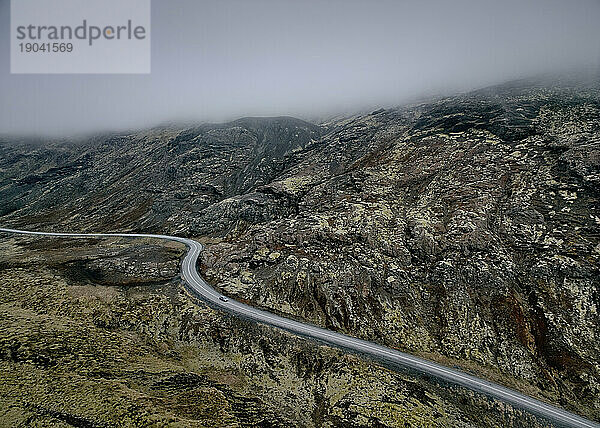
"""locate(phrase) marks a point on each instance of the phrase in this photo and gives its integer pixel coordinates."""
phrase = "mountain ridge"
(464, 229)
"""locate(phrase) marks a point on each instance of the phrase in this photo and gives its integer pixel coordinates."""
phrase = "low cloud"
(218, 60)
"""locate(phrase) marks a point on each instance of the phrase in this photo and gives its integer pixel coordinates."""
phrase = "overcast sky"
(222, 59)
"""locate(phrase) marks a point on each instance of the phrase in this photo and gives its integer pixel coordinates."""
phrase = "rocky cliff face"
(464, 230)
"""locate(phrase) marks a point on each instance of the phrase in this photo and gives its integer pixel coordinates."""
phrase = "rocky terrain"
(162, 179)
(465, 229)
(101, 333)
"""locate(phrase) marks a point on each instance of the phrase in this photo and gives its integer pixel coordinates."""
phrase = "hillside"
(465, 230)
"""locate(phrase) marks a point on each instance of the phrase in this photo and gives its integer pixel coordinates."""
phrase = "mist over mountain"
(380, 214)
(215, 61)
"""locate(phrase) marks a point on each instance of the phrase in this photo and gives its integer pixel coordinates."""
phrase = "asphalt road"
(199, 287)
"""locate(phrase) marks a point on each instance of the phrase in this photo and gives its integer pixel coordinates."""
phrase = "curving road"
(206, 292)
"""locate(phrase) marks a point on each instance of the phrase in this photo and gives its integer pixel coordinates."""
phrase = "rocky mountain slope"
(156, 180)
(465, 230)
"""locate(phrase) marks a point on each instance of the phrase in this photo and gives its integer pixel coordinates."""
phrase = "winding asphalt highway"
(201, 289)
